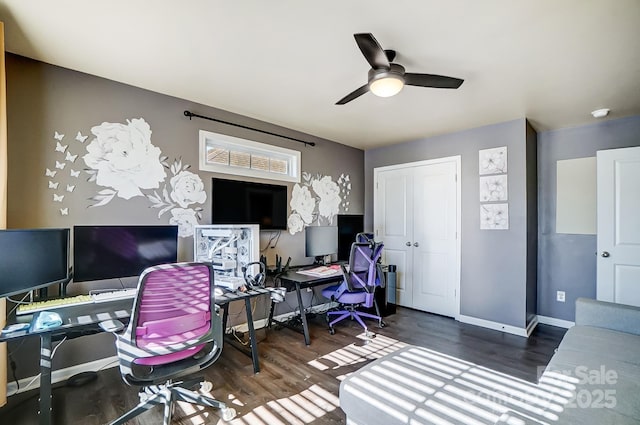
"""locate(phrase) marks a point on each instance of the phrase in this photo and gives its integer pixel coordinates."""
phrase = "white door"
(417, 216)
(434, 238)
(393, 218)
(618, 264)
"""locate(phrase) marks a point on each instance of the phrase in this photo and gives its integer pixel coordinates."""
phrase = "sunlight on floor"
(416, 386)
(419, 385)
(368, 349)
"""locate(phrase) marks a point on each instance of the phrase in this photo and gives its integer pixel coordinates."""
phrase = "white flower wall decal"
(317, 199)
(122, 159)
(186, 189)
(329, 194)
(303, 203)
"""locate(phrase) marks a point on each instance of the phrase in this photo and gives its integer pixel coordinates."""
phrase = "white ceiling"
(288, 61)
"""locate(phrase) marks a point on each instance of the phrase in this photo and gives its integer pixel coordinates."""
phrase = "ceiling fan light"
(387, 86)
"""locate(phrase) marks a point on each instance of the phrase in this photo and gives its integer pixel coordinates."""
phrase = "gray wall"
(493, 272)
(43, 99)
(568, 262)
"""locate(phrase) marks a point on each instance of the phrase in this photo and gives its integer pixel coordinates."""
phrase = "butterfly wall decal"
(60, 147)
(60, 165)
(70, 187)
(50, 173)
(70, 157)
(58, 136)
(57, 198)
(53, 185)
(74, 173)
(80, 138)
(64, 211)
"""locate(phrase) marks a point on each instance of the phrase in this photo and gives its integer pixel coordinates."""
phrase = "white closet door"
(434, 238)
(393, 221)
(417, 216)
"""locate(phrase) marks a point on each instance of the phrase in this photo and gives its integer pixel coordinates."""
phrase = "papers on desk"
(322, 271)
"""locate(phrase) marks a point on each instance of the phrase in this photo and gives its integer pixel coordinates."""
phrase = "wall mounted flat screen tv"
(109, 252)
(32, 259)
(240, 202)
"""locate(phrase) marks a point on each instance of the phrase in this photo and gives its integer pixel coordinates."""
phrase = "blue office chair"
(175, 330)
(359, 284)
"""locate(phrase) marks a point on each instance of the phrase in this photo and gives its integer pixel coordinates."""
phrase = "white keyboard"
(34, 307)
(121, 294)
(100, 297)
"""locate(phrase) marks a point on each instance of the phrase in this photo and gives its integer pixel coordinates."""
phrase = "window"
(230, 155)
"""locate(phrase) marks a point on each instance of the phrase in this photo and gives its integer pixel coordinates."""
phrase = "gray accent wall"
(494, 262)
(568, 262)
(43, 99)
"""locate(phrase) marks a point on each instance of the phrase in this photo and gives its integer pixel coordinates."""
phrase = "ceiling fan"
(387, 78)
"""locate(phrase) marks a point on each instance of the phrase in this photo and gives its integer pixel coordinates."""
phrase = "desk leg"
(252, 336)
(303, 315)
(45, 379)
(271, 310)
(225, 317)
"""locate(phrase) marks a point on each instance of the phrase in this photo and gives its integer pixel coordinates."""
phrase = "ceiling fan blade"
(430, 80)
(353, 95)
(371, 50)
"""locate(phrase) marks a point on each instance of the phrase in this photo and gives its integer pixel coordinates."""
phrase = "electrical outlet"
(560, 296)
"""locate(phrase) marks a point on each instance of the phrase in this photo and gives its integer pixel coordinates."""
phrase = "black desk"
(292, 280)
(84, 319)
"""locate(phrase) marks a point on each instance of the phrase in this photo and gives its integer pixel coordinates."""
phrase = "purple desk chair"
(175, 330)
(359, 284)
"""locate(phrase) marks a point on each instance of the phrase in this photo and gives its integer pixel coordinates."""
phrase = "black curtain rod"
(191, 115)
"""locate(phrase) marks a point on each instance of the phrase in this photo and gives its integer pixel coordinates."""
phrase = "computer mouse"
(47, 320)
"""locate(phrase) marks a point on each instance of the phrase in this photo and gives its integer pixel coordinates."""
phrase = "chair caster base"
(332, 331)
(228, 413)
(382, 324)
(206, 386)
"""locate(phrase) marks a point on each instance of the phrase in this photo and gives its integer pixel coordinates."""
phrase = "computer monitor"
(320, 242)
(348, 227)
(32, 259)
(109, 252)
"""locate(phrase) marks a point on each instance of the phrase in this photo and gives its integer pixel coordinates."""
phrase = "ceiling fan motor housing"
(394, 71)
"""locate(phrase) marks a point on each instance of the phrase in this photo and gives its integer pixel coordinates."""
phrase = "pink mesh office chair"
(175, 330)
(359, 284)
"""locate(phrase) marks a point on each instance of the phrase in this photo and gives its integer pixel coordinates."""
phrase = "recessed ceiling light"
(600, 113)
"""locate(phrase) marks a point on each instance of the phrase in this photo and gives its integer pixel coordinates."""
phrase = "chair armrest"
(601, 314)
(346, 277)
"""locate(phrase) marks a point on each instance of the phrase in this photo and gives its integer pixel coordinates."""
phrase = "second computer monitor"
(321, 241)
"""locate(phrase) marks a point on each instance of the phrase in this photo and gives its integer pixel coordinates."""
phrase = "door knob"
(605, 254)
(408, 243)
(416, 244)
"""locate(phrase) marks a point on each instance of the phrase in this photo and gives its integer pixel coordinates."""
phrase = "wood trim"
(3, 208)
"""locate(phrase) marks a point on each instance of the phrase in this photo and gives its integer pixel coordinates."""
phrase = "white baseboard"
(62, 374)
(499, 326)
(545, 320)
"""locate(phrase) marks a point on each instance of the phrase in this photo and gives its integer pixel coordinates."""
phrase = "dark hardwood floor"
(299, 384)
